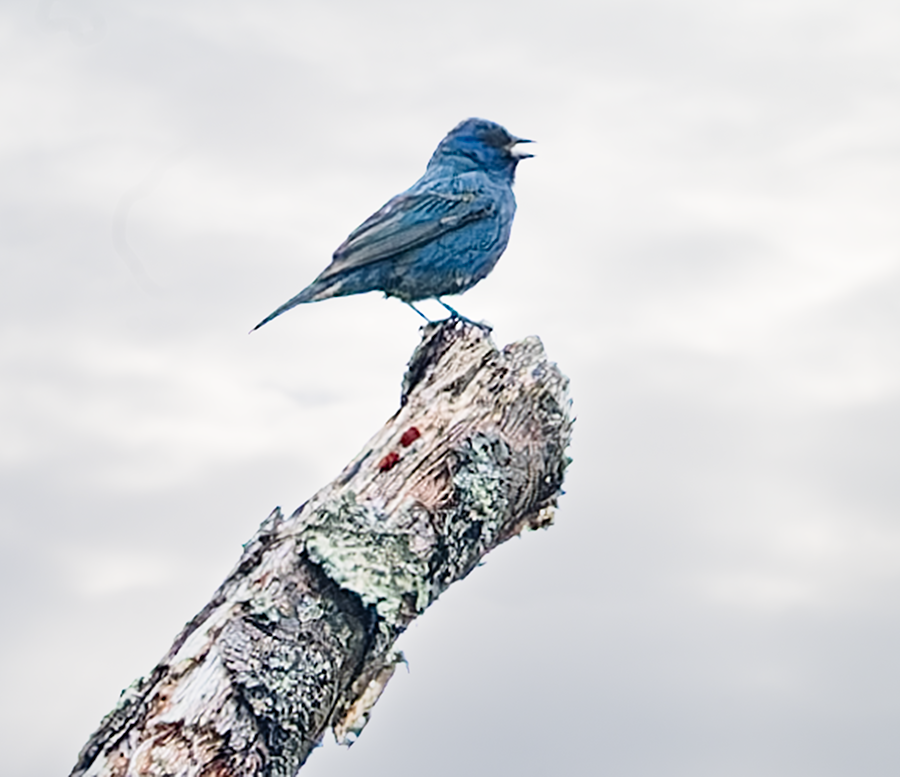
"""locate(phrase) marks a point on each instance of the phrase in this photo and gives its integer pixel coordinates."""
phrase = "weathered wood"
(300, 636)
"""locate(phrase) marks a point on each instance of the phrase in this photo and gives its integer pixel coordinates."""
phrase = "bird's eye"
(496, 137)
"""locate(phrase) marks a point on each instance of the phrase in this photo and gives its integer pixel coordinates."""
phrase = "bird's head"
(478, 144)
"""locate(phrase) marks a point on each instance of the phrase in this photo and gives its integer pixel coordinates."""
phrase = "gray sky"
(707, 242)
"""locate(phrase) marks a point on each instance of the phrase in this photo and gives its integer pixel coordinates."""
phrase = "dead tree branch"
(299, 638)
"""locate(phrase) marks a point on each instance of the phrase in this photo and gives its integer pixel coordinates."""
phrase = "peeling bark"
(299, 638)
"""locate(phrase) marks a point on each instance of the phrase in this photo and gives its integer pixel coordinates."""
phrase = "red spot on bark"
(410, 436)
(388, 461)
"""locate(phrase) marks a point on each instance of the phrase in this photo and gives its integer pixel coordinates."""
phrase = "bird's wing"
(408, 221)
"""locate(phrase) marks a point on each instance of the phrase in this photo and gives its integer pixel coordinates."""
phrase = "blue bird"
(441, 236)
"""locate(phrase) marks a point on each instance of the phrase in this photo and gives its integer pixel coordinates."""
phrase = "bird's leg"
(419, 312)
(456, 314)
(453, 312)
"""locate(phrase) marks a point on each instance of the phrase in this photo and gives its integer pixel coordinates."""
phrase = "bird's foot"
(456, 314)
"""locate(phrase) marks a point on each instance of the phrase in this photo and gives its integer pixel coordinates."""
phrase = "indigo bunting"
(442, 235)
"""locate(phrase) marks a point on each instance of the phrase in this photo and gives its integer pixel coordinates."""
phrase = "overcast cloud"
(707, 242)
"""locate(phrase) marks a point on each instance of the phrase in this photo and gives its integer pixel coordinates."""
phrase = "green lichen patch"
(344, 537)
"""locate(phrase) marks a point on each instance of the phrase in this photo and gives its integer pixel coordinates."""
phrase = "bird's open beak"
(518, 153)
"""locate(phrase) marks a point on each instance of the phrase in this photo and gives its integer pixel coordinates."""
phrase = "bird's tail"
(315, 291)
